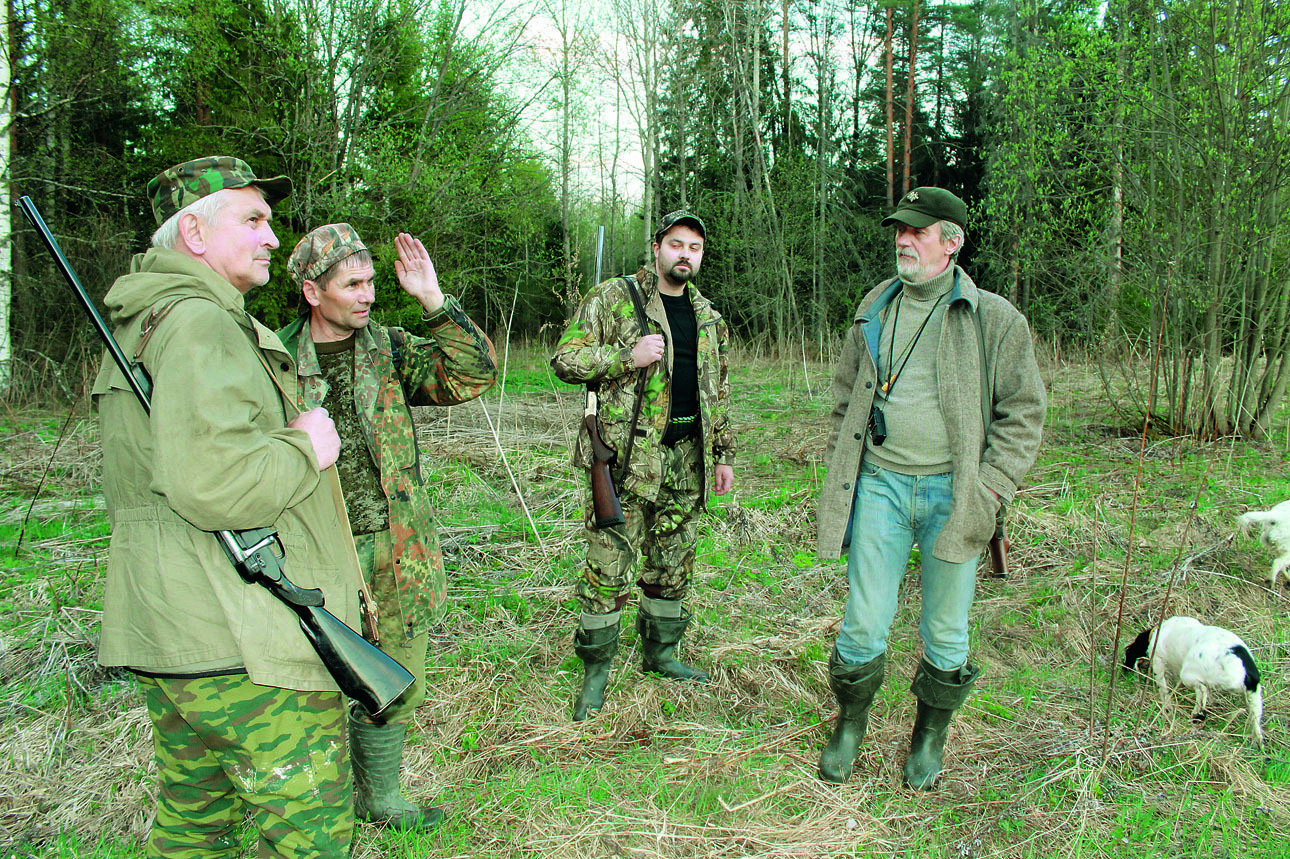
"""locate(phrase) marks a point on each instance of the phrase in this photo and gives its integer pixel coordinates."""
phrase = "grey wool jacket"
(980, 464)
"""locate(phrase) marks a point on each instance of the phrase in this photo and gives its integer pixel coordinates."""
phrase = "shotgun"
(362, 671)
(604, 497)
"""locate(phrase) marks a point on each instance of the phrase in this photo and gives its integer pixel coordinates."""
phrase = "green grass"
(728, 770)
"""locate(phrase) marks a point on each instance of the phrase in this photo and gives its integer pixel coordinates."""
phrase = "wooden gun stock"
(604, 497)
(999, 547)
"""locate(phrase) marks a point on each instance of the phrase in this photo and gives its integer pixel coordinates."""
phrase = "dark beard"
(679, 277)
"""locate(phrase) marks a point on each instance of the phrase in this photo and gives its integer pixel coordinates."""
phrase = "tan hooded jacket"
(214, 454)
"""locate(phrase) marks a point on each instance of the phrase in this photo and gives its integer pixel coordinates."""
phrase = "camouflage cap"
(185, 184)
(671, 219)
(322, 249)
(923, 207)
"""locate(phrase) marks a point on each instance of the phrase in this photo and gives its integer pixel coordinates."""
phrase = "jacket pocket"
(985, 508)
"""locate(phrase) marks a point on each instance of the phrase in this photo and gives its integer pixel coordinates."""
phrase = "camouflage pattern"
(665, 528)
(376, 559)
(184, 184)
(225, 746)
(597, 347)
(454, 365)
(671, 219)
(360, 479)
(322, 249)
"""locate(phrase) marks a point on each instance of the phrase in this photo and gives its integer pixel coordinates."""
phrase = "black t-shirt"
(683, 419)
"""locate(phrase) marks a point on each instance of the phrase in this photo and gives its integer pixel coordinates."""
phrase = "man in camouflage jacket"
(681, 435)
(367, 375)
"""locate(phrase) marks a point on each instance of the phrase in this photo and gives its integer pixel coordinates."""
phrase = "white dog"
(1276, 533)
(1200, 657)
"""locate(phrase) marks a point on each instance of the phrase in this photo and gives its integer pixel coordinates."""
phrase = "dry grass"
(728, 769)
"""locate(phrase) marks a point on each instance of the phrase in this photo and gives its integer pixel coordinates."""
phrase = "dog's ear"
(1137, 649)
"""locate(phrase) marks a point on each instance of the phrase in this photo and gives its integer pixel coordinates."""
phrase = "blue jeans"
(892, 511)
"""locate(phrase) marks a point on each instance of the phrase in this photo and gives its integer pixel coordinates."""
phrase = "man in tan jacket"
(938, 410)
(246, 719)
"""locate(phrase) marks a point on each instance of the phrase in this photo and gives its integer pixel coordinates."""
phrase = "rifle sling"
(643, 321)
(987, 400)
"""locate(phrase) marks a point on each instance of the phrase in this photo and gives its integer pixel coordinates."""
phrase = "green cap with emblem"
(923, 207)
(322, 249)
(185, 184)
(680, 216)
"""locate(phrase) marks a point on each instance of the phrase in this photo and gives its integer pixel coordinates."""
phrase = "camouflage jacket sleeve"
(455, 364)
(597, 345)
(722, 435)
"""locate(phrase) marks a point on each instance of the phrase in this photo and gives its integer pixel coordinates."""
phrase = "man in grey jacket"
(938, 410)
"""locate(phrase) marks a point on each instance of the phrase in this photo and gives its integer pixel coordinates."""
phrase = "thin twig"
(1133, 518)
(511, 474)
(49, 464)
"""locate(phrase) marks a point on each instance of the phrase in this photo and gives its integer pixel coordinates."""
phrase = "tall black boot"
(596, 648)
(659, 637)
(855, 687)
(376, 752)
(940, 694)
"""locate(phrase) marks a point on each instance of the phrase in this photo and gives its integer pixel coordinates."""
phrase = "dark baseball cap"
(923, 207)
(680, 216)
(184, 184)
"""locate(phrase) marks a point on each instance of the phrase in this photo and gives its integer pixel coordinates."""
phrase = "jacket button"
(846, 486)
(859, 436)
(285, 366)
(868, 384)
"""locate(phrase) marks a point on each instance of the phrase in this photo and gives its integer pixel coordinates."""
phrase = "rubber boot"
(939, 694)
(855, 687)
(659, 637)
(376, 752)
(596, 648)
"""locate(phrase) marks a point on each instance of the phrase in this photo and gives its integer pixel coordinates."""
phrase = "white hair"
(950, 231)
(206, 208)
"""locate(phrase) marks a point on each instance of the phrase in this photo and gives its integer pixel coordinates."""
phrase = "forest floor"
(1057, 752)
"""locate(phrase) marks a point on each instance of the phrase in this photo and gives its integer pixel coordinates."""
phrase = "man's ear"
(309, 289)
(190, 233)
(953, 245)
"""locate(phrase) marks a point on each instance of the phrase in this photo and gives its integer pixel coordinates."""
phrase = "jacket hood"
(163, 275)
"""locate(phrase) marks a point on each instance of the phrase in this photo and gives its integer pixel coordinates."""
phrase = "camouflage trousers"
(665, 530)
(225, 746)
(376, 560)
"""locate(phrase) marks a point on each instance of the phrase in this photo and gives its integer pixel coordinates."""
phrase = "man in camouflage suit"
(367, 375)
(682, 434)
(246, 719)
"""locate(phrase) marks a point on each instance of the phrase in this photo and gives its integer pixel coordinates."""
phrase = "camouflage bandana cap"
(185, 184)
(322, 249)
(671, 219)
(923, 207)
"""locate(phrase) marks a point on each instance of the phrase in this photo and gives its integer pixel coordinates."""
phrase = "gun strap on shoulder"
(987, 399)
(150, 323)
(643, 321)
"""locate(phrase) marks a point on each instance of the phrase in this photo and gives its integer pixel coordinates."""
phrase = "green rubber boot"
(940, 694)
(659, 637)
(376, 752)
(855, 687)
(596, 648)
